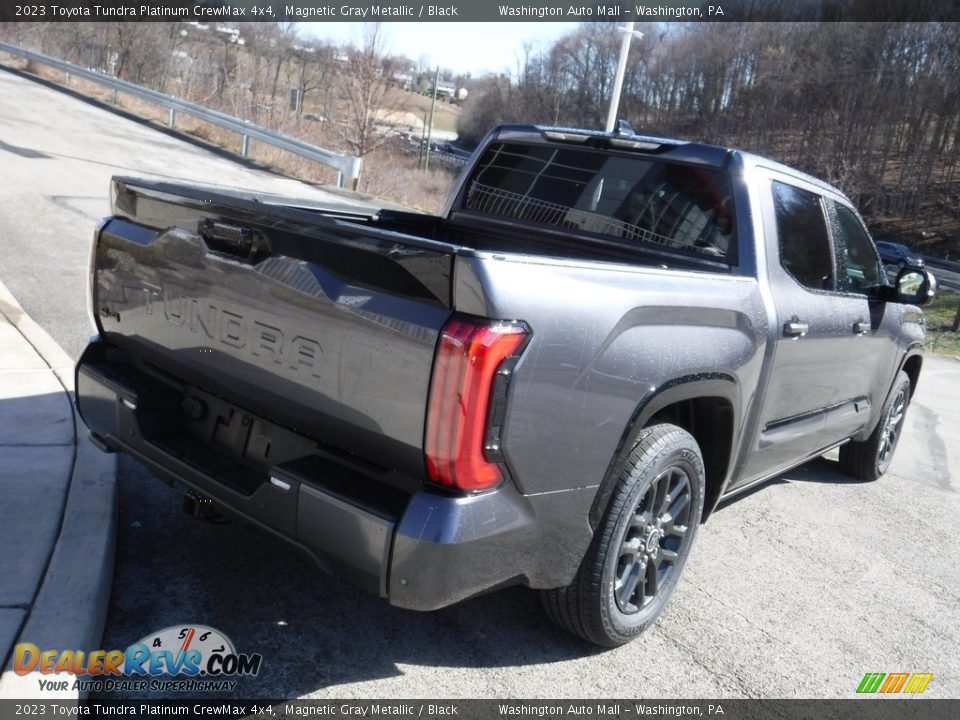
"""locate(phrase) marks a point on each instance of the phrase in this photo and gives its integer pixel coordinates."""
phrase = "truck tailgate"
(320, 322)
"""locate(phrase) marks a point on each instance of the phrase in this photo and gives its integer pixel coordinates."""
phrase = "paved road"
(947, 279)
(57, 156)
(795, 590)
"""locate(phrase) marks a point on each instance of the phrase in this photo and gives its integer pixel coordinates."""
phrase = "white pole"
(628, 33)
(433, 106)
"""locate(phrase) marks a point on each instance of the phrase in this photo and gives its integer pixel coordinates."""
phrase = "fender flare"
(685, 387)
(914, 350)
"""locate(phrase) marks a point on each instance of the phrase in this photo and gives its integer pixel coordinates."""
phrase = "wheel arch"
(911, 365)
(705, 405)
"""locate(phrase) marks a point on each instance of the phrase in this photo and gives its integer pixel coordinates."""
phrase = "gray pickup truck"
(552, 384)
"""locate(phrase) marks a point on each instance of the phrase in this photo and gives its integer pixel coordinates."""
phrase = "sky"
(462, 47)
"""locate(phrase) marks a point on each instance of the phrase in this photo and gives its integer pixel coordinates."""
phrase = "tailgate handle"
(230, 239)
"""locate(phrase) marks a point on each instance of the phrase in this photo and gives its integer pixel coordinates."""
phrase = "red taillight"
(468, 356)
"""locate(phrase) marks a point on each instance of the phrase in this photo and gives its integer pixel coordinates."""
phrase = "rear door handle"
(860, 327)
(795, 329)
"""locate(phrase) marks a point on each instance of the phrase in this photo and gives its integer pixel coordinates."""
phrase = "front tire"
(869, 459)
(641, 545)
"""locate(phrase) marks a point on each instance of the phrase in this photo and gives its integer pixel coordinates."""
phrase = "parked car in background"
(896, 254)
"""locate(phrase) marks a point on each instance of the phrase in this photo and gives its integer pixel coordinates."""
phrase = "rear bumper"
(421, 550)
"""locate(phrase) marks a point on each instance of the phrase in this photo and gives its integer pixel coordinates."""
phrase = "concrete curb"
(70, 608)
(47, 348)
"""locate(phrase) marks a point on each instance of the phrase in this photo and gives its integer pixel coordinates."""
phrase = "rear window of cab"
(633, 200)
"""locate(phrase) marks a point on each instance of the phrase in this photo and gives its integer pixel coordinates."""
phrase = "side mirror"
(915, 286)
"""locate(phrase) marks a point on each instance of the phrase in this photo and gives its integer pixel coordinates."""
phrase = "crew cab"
(552, 383)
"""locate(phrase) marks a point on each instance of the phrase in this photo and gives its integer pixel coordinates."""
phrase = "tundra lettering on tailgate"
(228, 328)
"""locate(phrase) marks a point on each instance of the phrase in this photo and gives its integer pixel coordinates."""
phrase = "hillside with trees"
(873, 108)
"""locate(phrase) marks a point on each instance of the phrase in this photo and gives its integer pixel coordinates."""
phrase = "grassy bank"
(940, 314)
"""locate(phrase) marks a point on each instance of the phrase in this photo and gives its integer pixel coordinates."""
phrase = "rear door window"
(805, 250)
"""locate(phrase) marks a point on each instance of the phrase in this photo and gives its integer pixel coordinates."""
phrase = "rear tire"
(869, 459)
(641, 545)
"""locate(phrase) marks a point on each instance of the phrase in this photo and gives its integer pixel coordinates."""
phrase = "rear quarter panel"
(605, 337)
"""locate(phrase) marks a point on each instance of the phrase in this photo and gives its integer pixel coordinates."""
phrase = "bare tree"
(363, 88)
(310, 69)
(872, 107)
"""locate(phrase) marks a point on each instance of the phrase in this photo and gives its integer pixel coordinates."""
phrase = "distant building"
(232, 34)
(443, 90)
(402, 79)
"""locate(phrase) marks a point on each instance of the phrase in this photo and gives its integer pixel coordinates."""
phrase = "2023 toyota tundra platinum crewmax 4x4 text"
(551, 384)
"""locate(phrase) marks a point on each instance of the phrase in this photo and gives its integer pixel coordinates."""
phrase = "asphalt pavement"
(58, 154)
(794, 590)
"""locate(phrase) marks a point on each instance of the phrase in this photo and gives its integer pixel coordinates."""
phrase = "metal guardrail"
(345, 165)
(941, 263)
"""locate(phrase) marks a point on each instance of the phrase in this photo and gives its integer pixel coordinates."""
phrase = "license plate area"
(239, 434)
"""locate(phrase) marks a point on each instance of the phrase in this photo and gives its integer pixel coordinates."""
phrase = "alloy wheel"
(655, 538)
(891, 431)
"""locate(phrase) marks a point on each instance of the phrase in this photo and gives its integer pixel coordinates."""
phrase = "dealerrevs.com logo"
(186, 658)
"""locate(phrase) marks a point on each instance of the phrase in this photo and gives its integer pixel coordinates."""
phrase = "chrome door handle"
(795, 328)
(860, 327)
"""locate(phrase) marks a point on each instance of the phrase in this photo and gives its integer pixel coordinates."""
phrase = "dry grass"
(387, 174)
(395, 176)
(940, 315)
(445, 115)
